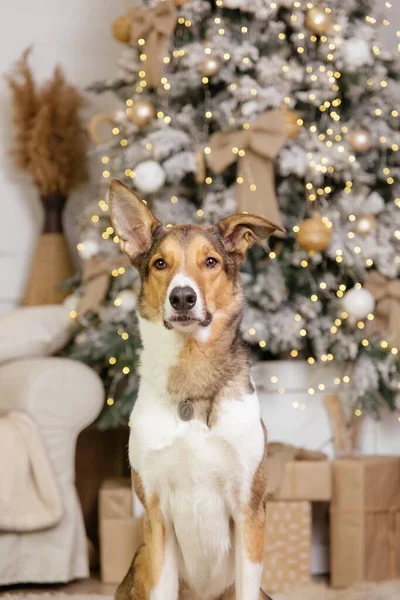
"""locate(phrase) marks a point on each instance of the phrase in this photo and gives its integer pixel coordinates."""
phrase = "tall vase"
(51, 263)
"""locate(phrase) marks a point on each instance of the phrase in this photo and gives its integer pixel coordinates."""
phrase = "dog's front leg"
(164, 575)
(249, 552)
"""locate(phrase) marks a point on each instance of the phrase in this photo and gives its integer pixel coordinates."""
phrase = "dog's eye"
(211, 262)
(160, 264)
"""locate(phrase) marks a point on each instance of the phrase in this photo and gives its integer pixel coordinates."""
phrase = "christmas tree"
(285, 109)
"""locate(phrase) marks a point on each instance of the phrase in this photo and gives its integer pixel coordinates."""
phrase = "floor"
(92, 585)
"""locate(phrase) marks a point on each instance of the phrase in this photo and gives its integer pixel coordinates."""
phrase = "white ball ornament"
(128, 300)
(366, 224)
(356, 54)
(88, 248)
(358, 303)
(149, 176)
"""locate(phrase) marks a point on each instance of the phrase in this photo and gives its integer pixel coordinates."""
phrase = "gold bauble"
(210, 66)
(314, 235)
(318, 21)
(365, 224)
(179, 3)
(292, 126)
(121, 29)
(360, 140)
(142, 112)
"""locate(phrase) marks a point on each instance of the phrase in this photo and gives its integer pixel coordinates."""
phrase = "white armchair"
(63, 397)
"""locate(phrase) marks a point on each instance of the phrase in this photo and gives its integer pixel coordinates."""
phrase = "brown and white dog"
(197, 444)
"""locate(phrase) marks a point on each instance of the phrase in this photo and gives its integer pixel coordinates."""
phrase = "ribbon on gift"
(387, 308)
(96, 275)
(155, 26)
(254, 146)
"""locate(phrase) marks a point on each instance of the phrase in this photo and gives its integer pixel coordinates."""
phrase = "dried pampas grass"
(50, 141)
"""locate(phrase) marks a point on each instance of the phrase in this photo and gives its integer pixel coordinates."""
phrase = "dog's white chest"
(197, 473)
(202, 476)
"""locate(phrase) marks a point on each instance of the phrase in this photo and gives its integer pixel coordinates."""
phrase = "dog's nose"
(182, 298)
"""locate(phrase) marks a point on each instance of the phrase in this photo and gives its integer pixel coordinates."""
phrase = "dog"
(197, 444)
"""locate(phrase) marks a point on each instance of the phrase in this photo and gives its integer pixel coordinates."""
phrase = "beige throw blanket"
(29, 495)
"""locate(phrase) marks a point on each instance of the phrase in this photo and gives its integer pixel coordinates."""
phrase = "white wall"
(75, 33)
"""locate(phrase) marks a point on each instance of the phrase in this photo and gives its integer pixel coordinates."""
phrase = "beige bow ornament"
(155, 26)
(254, 146)
(387, 308)
(96, 275)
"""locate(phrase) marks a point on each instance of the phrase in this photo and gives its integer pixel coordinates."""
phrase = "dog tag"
(185, 410)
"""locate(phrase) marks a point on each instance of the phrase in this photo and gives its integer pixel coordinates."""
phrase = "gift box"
(287, 548)
(306, 480)
(298, 474)
(120, 532)
(365, 520)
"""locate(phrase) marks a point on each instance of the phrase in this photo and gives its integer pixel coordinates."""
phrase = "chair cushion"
(33, 331)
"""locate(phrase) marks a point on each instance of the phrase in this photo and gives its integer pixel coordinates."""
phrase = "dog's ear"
(133, 222)
(240, 232)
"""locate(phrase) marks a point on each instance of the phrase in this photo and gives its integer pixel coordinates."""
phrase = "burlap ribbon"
(387, 309)
(254, 148)
(155, 26)
(96, 275)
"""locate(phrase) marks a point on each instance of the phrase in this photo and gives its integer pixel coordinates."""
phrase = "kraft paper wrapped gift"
(120, 533)
(298, 474)
(365, 520)
(287, 548)
(306, 480)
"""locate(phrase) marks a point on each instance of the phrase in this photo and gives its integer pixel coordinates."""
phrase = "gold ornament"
(95, 125)
(366, 224)
(179, 3)
(360, 140)
(210, 66)
(314, 235)
(291, 123)
(142, 112)
(318, 21)
(121, 29)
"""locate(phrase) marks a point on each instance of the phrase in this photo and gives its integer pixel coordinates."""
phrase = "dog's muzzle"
(184, 307)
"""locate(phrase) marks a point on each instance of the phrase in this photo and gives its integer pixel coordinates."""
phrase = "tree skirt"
(384, 591)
